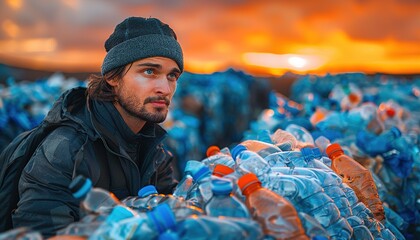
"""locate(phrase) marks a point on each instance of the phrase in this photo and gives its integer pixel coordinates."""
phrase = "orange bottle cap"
(212, 150)
(332, 149)
(222, 170)
(353, 98)
(390, 112)
(246, 180)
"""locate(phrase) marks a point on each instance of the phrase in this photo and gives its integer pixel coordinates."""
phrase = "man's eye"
(173, 76)
(148, 71)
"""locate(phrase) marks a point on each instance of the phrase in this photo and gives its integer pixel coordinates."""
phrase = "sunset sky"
(265, 37)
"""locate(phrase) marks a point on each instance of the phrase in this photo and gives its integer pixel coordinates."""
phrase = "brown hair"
(98, 86)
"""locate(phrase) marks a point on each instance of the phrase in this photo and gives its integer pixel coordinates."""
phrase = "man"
(107, 132)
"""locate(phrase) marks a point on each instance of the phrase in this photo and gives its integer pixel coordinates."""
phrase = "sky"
(265, 37)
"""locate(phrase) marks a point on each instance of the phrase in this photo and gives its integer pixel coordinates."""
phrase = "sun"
(297, 62)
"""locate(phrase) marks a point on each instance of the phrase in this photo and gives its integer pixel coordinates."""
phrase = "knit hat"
(137, 38)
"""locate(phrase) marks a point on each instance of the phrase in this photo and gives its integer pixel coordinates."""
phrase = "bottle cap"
(307, 153)
(316, 153)
(396, 131)
(331, 149)
(246, 180)
(221, 186)
(163, 217)
(203, 171)
(147, 190)
(237, 150)
(212, 150)
(221, 170)
(80, 186)
(119, 213)
(390, 112)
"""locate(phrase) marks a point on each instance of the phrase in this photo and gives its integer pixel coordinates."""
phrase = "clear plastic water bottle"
(223, 203)
(186, 183)
(301, 134)
(284, 140)
(358, 178)
(142, 226)
(277, 216)
(147, 198)
(23, 233)
(226, 172)
(308, 196)
(215, 156)
(261, 148)
(94, 200)
(249, 162)
(200, 192)
(207, 227)
(360, 231)
(312, 227)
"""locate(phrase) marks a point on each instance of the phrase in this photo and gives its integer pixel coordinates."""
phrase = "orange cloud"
(367, 36)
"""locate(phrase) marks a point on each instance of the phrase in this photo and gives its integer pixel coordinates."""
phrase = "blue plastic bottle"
(186, 183)
(223, 202)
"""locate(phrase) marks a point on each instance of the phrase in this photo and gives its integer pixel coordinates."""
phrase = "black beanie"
(137, 38)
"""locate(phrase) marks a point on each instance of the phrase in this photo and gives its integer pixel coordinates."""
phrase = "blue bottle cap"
(80, 186)
(203, 171)
(163, 217)
(396, 131)
(237, 150)
(220, 186)
(147, 190)
(307, 153)
(316, 153)
(119, 213)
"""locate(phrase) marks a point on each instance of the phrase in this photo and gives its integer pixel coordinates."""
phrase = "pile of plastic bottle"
(24, 104)
(339, 159)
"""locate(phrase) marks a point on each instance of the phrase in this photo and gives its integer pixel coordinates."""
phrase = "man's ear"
(113, 82)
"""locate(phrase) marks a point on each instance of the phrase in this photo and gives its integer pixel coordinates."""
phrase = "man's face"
(146, 90)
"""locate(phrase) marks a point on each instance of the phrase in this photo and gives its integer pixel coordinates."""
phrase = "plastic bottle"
(226, 172)
(187, 181)
(313, 228)
(301, 134)
(308, 196)
(21, 233)
(348, 95)
(277, 216)
(143, 226)
(360, 231)
(207, 227)
(217, 156)
(391, 114)
(358, 178)
(200, 192)
(223, 202)
(147, 198)
(261, 148)
(284, 140)
(373, 144)
(94, 200)
(249, 162)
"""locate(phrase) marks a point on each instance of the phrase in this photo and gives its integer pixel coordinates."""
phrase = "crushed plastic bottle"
(277, 216)
(215, 156)
(358, 178)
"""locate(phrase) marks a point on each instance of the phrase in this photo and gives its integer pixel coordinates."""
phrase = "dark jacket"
(94, 141)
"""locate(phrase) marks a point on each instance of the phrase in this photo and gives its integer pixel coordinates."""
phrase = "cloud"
(218, 31)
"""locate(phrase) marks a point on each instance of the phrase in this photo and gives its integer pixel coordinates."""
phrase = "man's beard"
(129, 106)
